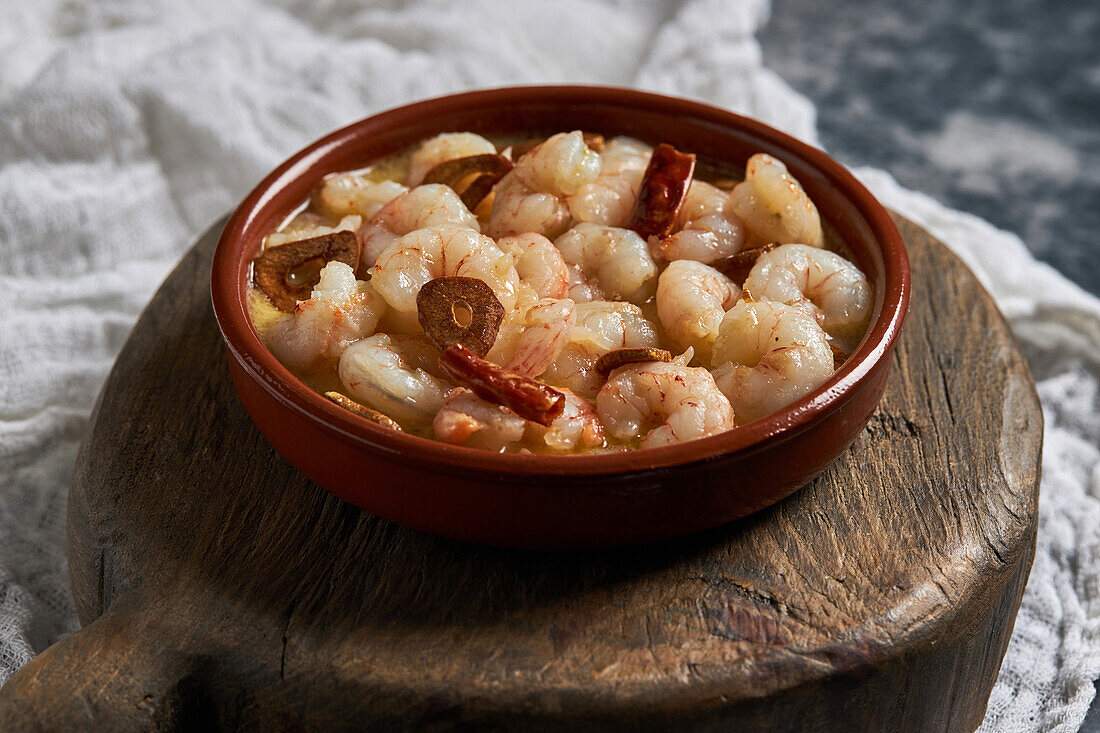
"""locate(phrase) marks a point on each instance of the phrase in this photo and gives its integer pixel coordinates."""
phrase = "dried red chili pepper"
(662, 192)
(527, 398)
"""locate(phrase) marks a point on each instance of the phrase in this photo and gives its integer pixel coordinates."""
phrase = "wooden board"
(217, 587)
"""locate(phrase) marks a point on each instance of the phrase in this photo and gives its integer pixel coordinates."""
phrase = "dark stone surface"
(991, 106)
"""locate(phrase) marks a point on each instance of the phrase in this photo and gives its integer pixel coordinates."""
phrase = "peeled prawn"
(616, 261)
(547, 327)
(825, 283)
(340, 310)
(433, 205)
(600, 327)
(707, 229)
(531, 197)
(444, 147)
(774, 205)
(344, 193)
(581, 289)
(577, 427)
(514, 324)
(538, 263)
(610, 198)
(767, 355)
(446, 251)
(692, 298)
(396, 375)
(662, 403)
(466, 419)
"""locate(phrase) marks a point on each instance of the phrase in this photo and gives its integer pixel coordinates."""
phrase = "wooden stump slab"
(219, 588)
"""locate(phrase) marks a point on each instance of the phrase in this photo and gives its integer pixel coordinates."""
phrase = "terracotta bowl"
(562, 501)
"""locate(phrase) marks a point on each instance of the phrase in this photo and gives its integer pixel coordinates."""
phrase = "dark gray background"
(990, 106)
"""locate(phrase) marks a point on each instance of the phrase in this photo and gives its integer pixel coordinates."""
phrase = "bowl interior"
(707, 131)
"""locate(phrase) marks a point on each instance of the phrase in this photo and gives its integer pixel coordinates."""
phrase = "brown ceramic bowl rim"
(229, 292)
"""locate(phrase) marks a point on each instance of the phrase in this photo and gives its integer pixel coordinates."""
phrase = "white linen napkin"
(128, 127)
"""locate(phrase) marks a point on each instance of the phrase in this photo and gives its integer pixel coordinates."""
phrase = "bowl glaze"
(559, 502)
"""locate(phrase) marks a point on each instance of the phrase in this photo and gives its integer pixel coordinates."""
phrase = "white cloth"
(126, 127)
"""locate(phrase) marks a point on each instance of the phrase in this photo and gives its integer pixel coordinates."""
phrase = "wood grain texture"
(219, 587)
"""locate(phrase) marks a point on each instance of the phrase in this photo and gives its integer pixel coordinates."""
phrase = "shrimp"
(829, 286)
(532, 196)
(538, 262)
(514, 324)
(307, 226)
(662, 403)
(600, 327)
(582, 290)
(702, 200)
(548, 325)
(396, 375)
(692, 298)
(340, 310)
(767, 355)
(610, 198)
(466, 419)
(616, 260)
(578, 426)
(707, 230)
(344, 193)
(445, 251)
(444, 147)
(432, 205)
(774, 206)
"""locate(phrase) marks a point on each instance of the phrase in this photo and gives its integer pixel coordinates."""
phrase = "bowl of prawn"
(562, 501)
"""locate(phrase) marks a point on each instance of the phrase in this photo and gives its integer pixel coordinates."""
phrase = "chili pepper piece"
(662, 192)
(527, 398)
